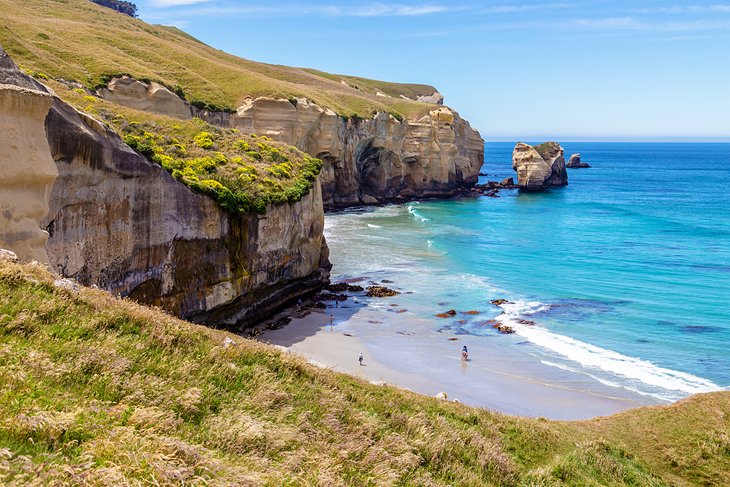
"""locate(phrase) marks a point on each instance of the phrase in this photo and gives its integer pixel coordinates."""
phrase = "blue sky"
(514, 69)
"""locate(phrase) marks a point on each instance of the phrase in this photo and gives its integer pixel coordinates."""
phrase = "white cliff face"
(151, 97)
(377, 159)
(27, 171)
(367, 161)
(538, 170)
(124, 224)
(436, 98)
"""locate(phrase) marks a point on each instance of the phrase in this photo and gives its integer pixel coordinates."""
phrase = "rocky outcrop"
(27, 171)
(375, 160)
(540, 167)
(435, 98)
(122, 223)
(575, 163)
(151, 97)
(369, 161)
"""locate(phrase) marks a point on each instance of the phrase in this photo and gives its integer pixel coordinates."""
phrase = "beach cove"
(626, 312)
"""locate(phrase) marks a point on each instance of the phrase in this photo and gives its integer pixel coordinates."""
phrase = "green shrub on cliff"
(241, 172)
(96, 390)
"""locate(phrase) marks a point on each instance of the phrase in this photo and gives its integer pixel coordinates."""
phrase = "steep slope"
(119, 221)
(79, 40)
(100, 391)
(378, 144)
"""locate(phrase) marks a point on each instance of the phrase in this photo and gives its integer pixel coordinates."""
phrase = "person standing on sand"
(299, 304)
(360, 358)
(332, 321)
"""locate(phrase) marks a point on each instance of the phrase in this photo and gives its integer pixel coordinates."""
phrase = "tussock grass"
(79, 40)
(96, 390)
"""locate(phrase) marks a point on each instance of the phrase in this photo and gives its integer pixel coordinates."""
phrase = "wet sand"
(405, 351)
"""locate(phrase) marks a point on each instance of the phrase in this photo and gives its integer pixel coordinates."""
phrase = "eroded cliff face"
(370, 161)
(120, 222)
(27, 171)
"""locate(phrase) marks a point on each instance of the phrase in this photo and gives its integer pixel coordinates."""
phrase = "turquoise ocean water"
(626, 271)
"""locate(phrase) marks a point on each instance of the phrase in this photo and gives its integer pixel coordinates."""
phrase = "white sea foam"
(370, 225)
(416, 215)
(599, 359)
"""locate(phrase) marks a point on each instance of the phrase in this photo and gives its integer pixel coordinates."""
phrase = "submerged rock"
(381, 292)
(341, 287)
(448, 314)
(500, 302)
(575, 163)
(539, 167)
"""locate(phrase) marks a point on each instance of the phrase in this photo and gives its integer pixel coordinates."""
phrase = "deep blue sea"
(626, 271)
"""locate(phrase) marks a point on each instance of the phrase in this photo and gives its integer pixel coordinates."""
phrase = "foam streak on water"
(592, 358)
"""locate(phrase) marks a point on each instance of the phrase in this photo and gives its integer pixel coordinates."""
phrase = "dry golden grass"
(79, 40)
(96, 390)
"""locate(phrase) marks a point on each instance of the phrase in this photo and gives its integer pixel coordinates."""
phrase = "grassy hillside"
(95, 390)
(241, 172)
(79, 40)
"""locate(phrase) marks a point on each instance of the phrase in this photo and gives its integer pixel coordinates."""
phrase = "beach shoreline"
(496, 377)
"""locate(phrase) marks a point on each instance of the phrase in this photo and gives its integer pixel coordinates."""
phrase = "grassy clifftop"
(95, 390)
(242, 173)
(79, 40)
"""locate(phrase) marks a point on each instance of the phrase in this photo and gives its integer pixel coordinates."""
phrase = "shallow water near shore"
(625, 273)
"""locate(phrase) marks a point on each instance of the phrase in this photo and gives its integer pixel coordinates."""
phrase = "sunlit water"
(626, 271)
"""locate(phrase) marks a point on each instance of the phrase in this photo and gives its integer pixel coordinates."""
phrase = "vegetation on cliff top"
(241, 172)
(79, 40)
(96, 390)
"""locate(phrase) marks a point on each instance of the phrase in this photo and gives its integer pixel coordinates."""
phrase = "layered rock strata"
(27, 171)
(122, 223)
(371, 161)
(540, 167)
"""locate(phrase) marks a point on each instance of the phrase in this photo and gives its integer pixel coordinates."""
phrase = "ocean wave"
(593, 357)
(416, 215)
(370, 225)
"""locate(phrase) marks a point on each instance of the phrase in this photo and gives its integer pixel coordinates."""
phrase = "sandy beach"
(404, 351)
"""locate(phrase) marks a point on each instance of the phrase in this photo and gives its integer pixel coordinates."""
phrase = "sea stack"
(540, 167)
(575, 163)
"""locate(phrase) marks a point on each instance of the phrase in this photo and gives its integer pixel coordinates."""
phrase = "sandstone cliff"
(368, 161)
(539, 167)
(27, 171)
(120, 222)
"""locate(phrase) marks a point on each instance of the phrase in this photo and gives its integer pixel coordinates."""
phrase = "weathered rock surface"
(122, 223)
(151, 97)
(435, 98)
(540, 167)
(27, 171)
(575, 163)
(367, 161)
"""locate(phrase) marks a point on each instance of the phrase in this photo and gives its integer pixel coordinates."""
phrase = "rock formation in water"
(575, 163)
(370, 161)
(27, 171)
(123, 223)
(539, 167)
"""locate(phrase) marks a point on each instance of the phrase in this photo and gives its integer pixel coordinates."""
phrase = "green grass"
(242, 173)
(96, 390)
(79, 40)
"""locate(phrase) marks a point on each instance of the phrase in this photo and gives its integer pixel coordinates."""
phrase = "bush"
(204, 140)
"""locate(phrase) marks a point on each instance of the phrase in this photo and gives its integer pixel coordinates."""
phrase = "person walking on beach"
(360, 358)
(332, 321)
(464, 353)
(299, 304)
